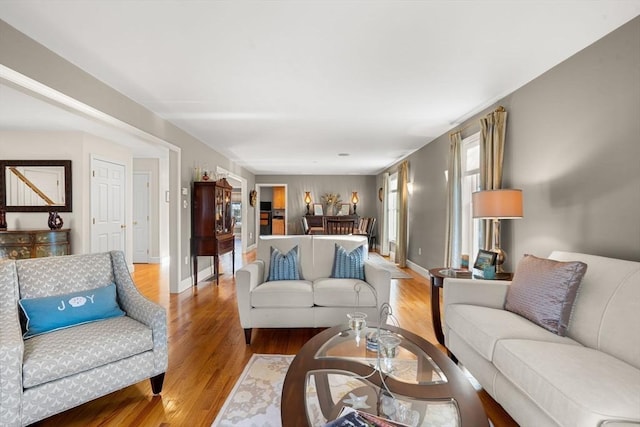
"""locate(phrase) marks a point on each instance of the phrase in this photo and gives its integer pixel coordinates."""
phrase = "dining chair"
(339, 225)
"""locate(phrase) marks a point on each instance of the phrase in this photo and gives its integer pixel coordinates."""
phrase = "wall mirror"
(35, 185)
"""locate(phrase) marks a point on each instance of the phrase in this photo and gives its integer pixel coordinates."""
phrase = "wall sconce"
(307, 200)
(354, 200)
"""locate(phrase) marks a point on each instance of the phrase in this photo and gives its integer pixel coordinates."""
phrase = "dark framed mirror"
(35, 185)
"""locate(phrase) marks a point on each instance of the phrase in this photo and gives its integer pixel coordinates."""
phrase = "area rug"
(396, 273)
(255, 398)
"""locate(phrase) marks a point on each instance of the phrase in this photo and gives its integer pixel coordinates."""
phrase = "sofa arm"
(138, 307)
(11, 347)
(247, 279)
(380, 279)
(487, 293)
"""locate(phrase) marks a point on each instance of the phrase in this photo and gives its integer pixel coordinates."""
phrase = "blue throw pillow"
(348, 265)
(49, 314)
(284, 266)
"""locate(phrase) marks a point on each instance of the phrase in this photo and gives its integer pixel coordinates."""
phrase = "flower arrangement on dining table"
(332, 201)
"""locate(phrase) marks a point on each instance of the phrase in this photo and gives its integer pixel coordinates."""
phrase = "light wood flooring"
(207, 352)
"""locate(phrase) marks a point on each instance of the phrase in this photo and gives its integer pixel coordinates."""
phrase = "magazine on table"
(350, 417)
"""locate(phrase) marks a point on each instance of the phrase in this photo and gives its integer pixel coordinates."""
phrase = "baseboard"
(185, 284)
(418, 269)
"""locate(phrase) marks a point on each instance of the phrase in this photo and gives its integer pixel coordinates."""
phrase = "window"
(392, 204)
(470, 157)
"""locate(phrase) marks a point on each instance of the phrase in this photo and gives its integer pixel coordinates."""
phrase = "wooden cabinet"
(211, 223)
(279, 198)
(278, 226)
(21, 244)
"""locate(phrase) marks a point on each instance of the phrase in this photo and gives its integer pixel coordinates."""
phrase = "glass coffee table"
(416, 385)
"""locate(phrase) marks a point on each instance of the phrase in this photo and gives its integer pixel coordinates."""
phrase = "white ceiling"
(285, 87)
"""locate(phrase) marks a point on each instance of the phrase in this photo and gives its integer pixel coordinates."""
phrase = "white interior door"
(107, 206)
(141, 217)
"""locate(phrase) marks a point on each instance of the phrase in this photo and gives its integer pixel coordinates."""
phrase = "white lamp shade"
(501, 204)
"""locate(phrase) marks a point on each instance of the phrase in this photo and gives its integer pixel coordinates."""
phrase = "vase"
(330, 210)
(55, 221)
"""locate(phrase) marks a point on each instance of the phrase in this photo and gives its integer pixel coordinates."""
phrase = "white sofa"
(314, 301)
(591, 377)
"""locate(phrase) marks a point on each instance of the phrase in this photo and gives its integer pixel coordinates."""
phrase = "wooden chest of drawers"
(21, 244)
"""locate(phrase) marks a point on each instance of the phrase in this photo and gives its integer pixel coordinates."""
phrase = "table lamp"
(354, 200)
(307, 200)
(497, 205)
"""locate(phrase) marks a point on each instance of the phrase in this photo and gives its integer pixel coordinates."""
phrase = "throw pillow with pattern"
(283, 266)
(348, 265)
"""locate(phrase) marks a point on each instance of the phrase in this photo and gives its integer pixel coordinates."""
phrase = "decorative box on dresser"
(21, 244)
(211, 223)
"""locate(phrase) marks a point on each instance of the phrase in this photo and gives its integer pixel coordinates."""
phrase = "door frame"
(286, 206)
(146, 174)
(243, 206)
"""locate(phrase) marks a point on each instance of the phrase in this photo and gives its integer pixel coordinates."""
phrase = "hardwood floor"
(207, 353)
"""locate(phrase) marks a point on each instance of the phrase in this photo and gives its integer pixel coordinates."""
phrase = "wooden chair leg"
(156, 383)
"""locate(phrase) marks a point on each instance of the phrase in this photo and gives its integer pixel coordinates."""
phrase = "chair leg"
(156, 383)
(247, 335)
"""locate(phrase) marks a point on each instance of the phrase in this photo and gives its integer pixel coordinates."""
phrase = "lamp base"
(500, 259)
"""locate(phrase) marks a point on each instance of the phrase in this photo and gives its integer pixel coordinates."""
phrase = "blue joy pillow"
(50, 314)
(284, 266)
(348, 265)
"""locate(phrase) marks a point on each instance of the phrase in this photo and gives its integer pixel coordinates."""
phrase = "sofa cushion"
(342, 293)
(69, 351)
(608, 303)
(348, 265)
(52, 313)
(284, 244)
(284, 266)
(482, 328)
(324, 252)
(283, 293)
(544, 290)
(574, 385)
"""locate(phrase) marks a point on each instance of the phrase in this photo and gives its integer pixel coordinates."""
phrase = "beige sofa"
(591, 377)
(316, 300)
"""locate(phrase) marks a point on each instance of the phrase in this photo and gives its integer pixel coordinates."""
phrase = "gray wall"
(572, 146)
(319, 185)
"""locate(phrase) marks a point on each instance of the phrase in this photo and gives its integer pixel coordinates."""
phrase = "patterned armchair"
(52, 372)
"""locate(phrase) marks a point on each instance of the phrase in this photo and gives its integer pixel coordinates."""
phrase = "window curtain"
(492, 140)
(453, 241)
(403, 202)
(384, 224)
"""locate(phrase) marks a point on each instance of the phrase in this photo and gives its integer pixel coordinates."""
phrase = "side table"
(437, 276)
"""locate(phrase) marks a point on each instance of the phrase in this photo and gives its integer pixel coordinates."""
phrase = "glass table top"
(409, 382)
(346, 389)
(410, 364)
(329, 390)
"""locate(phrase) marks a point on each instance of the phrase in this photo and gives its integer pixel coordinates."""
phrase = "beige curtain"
(492, 140)
(453, 240)
(384, 225)
(403, 202)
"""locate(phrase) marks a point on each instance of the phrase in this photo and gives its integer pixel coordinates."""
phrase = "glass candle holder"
(357, 322)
